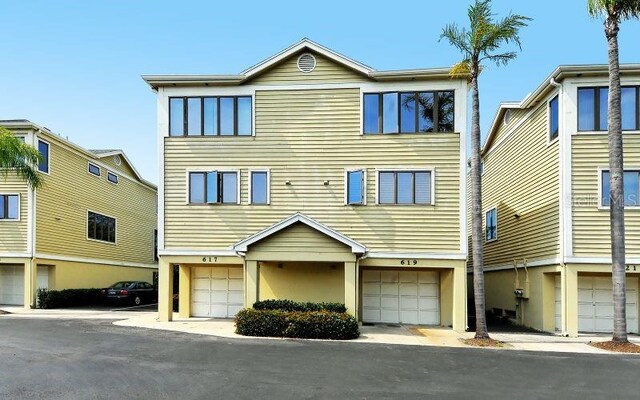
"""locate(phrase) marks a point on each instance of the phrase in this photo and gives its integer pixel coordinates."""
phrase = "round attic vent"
(306, 62)
(117, 160)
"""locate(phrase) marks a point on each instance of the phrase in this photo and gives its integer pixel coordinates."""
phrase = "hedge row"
(297, 324)
(289, 305)
(68, 298)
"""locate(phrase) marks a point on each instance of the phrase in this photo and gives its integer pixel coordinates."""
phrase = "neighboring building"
(545, 196)
(91, 224)
(313, 177)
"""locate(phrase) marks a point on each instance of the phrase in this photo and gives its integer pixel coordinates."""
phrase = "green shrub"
(68, 298)
(297, 324)
(289, 305)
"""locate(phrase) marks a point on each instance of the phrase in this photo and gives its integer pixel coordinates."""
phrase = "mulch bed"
(616, 347)
(483, 342)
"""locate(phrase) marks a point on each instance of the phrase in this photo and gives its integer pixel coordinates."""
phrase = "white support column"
(351, 288)
(29, 284)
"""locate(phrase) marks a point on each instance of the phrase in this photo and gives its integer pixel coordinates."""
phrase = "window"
(101, 227)
(43, 148)
(404, 187)
(408, 112)
(155, 244)
(213, 187)
(210, 116)
(259, 187)
(553, 118)
(9, 206)
(491, 225)
(631, 189)
(355, 187)
(111, 177)
(94, 169)
(593, 108)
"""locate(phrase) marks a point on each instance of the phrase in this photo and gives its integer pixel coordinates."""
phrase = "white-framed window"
(214, 187)
(43, 148)
(211, 116)
(554, 119)
(94, 169)
(155, 245)
(355, 187)
(259, 187)
(101, 227)
(405, 187)
(491, 224)
(631, 188)
(9, 207)
(112, 177)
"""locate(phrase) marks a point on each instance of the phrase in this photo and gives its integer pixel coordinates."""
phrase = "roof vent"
(117, 160)
(306, 62)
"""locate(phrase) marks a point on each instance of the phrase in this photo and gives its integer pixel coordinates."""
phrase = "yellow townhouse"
(545, 199)
(92, 223)
(313, 177)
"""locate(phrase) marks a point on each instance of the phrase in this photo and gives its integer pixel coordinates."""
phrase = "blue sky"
(75, 66)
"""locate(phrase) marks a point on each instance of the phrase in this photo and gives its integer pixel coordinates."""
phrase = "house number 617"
(209, 259)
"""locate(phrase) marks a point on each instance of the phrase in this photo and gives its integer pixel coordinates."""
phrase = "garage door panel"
(201, 272)
(201, 296)
(602, 283)
(429, 304)
(218, 296)
(428, 277)
(409, 317)
(371, 288)
(200, 309)
(389, 276)
(220, 273)
(410, 303)
(585, 282)
(632, 311)
(371, 315)
(389, 302)
(12, 284)
(392, 316)
(428, 290)
(389, 289)
(603, 296)
(585, 310)
(408, 277)
(201, 284)
(370, 276)
(371, 301)
(233, 310)
(235, 273)
(236, 297)
(219, 284)
(585, 295)
(236, 284)
(429, 317)
(408, 289)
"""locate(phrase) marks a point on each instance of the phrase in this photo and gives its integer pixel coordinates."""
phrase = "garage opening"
(216, 292)
(12, 284)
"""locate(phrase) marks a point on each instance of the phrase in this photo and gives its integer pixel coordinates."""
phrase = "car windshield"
(120, 285)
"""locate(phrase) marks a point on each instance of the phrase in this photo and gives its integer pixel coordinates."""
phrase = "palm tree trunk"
(616, 168)
(477, 234)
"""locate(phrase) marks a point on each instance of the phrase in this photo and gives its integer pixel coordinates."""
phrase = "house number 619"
(408, 262)
(209, 259)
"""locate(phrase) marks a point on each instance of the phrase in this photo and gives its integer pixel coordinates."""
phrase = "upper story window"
(111, 177)
(631, 189)
(355, 187)
(9, 206)
(101, 227)
(554, 127)
(155, 244)
(405, 187)
(43, 148)
(259, 187)
(94, 169)
(213, 187)
(408, 112)
(210, 116)
(593, 108)
(491, 224)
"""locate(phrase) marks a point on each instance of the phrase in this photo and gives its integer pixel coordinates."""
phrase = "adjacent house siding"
(123, 168)
(591, 228)
(516, 117)
(308, 137)
(521, 177)
(326, 71)
(13, 234)
(70, 191)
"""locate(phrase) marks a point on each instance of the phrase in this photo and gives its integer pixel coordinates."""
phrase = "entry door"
(12, 284)
(217, 292)
(408, 297)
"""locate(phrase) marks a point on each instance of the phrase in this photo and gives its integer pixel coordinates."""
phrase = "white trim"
(346, 186)
(315, 62)
(418, 255)
(162, 119)
(94, 261)
(114, 174)
(197, 252)
(39, 139)
(598, 260)
(432, 173)
(299, 217)
(86, 228)
(530, 264)
(565, 172)
(549, 140)
(601, 170)
(250, 194)
(89, 164)
(10, 220)
(14, 255)
(487, 211)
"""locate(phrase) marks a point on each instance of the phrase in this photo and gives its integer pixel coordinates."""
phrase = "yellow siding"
(70, 191)
(307, 137)
(521, 177)
(326, 71)
(302, 238)
(317, 282)
(123, 168)
(516, 116)
(74, 275)
(13, 234)
(591, 228)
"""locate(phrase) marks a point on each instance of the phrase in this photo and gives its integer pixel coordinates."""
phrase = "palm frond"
(620, 10)
(19, 158)
(457, 37)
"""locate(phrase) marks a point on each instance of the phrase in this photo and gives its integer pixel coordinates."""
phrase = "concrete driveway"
(93, 359)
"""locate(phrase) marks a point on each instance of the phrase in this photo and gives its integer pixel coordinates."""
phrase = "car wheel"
(137, 300)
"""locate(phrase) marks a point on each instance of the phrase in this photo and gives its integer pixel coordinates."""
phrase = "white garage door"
(595, 304)
(12, 284)
(216, 292)
(407, 297)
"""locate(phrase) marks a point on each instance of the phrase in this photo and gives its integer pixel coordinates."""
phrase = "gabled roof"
(295, 218)
(103, 153)
(174, 80)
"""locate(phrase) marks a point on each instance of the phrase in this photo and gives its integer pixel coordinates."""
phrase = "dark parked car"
(135, 292)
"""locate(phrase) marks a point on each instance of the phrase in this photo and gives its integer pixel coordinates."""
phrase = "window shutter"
(212, 187)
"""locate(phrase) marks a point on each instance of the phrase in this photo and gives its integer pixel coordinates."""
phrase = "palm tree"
(614, 12)
(19, 157)
(482, 42)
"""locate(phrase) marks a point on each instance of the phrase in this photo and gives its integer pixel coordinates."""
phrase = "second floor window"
(259, 187)
(111, 177)
(593, 108)
(355, 187)
(491, 225)
(404, 187)
(101, 227)
(631, 189)
(553, 119)
(210, 116)
(9, 206)
(43, 148)
(408, 112)
(213, 187)
(94, 169)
